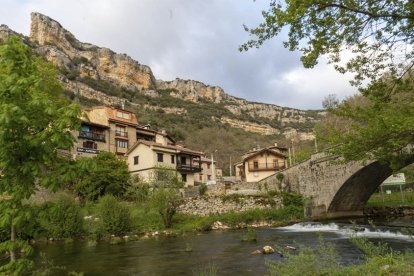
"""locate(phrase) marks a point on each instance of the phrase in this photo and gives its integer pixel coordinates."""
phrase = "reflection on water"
(167, 256)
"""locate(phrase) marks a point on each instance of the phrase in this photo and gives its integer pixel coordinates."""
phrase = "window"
(201, 177)
(208, 166)
(255, 164)
(172, 159)
(90, 145)
(121, 131)
(183, 160)
(184, 177)
(121, 144)
(122, 115)
(136, 160)
(275, 163)
(160, 157)
(208, 177)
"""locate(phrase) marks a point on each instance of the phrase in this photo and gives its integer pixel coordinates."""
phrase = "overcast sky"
(191, 39)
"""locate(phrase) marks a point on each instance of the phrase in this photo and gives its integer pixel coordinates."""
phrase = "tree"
(101, 175)
(35, 123)
(380, 35)
(330, 102)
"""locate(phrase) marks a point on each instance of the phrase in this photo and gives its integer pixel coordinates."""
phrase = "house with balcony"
(105, 129)
(260, 163)
(145, 157)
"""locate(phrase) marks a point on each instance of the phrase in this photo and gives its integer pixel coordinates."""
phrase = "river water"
(224, 249)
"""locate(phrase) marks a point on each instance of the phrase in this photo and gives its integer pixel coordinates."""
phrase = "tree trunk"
(13, 239)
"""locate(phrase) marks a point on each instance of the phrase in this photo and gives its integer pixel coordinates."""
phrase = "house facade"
(209, 172)
(258, 164)
(145, 157)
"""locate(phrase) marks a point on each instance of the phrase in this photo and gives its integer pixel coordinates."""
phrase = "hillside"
(202, 116)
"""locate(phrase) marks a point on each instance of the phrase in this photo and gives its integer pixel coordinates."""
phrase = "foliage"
(166, 177)
(250, 235)
(138, 190)
(61, 219)
(114, 216)
(102, 174)
(35, 121)
(379, 34)
(292, 199)
(166, 201)
(202, 189)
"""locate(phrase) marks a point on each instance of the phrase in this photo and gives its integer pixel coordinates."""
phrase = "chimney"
(275, 144)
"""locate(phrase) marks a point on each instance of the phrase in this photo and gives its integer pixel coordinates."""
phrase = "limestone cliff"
(82, 64)
(192, 90)
(59, 45)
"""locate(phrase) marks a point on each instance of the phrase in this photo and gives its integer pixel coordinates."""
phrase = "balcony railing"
(121, 133)
(194, 168)
(265, 167)
(92, 135)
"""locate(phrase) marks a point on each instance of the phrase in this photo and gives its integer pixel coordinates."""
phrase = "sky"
(192, 39)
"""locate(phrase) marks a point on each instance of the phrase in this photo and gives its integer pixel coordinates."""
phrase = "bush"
(166, 202)
(61, 219)
(292, 199)
(101, 175)
(114, 216)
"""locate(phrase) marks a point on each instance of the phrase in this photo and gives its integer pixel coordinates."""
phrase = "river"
(224, 249)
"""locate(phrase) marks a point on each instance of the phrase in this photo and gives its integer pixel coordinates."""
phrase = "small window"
(136, 160)
(122, 144)
(255, 164)
(183, 160)
(208, 177)
(201, 177)
(275, 163)
(160, 157)
(123, 115)
(90, 145)
(172, 159)
(208, 166)
(184, 177)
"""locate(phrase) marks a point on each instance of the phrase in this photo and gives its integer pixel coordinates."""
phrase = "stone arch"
(357, 189)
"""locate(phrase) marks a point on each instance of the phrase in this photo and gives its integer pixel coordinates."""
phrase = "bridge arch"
(358, 188)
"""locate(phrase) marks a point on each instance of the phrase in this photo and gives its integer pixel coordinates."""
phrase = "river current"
(224, 249)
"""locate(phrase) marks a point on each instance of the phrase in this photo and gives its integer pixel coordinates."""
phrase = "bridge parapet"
(332, 187)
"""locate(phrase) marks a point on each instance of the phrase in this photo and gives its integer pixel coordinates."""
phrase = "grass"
(393, 199)
(147, 219)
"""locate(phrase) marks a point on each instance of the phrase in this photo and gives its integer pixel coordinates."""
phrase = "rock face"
(192, 90)
(79, 62)
(119, 69)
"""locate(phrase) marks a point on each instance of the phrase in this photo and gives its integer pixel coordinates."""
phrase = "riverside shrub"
(114, 216)
(61, 219)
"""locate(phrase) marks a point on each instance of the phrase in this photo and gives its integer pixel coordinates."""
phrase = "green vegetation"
(61, 219)
(100, 175)
(114, 216)
(393, 199)
(323, 260)
(35, 121)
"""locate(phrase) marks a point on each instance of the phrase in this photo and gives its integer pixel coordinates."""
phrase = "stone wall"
(204, 206)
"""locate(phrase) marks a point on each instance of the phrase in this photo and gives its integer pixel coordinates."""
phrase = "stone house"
(258, 164)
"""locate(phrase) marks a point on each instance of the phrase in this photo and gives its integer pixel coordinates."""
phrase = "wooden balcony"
(189, 168)
(255, 167)
(92, 135)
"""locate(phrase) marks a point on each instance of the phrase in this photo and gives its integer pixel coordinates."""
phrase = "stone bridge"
(332, 188)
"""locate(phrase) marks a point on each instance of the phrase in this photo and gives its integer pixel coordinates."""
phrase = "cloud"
(191, 39)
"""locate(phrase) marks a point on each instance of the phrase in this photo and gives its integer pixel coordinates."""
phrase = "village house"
(209, 172)
(145, 157)
(260, 163)
(117, 131)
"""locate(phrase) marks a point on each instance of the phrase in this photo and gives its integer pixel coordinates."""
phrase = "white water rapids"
(347, 230)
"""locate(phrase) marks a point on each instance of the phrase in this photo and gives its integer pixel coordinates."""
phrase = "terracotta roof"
(171, 147)
(252, 154)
